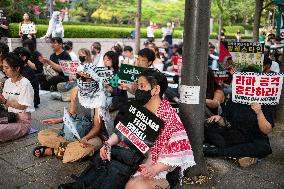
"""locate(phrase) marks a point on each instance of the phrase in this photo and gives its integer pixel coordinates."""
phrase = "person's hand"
(256, 107)
(123, 86)
(103, 153)
(2, 99)
(51, 121)
(148, 171)
(43, 60)
(108, 89)
(215, 118)
(84, 142)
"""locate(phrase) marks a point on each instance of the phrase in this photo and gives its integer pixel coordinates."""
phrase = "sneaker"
(247, 161)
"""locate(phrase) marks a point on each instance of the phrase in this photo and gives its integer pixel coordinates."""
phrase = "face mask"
(142, 96)
(82, 58)
(93, 52)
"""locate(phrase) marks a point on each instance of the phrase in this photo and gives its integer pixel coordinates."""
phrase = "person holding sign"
(27, 29)
(114, 165)
(87, 112)
(4, 26)
(241, 132)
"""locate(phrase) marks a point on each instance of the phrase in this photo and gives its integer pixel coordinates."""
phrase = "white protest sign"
(27, 28)
(189, 94)
(105, 74)
(264, 88)
(68, 122)
(69, 67)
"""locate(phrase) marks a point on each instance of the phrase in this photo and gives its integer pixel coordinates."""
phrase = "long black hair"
(114, 58)
(14, 61)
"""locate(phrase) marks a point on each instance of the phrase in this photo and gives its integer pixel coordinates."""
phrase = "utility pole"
(137, 26)
(220, 24)
(51, 7)
(194, 75)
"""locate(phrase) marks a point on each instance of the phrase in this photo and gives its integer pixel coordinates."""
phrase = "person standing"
(150, 32)
(26, 34)
(55, 27)
(168, 32)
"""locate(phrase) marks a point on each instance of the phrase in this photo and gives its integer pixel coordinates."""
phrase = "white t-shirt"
(275, 67)
(22, 92)
(73, 56)
(150, 32)
(129, 61)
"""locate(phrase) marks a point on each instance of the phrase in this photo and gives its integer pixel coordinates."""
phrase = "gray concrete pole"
(194, 73)
(137, 26)
(51, 7)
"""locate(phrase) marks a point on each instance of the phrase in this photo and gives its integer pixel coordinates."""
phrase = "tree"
(194, 67)
(257, 15)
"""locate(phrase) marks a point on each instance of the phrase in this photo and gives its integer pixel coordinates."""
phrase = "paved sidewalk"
(19, 169)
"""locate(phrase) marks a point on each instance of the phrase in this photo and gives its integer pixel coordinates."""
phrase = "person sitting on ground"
(163, 156)
(96, 52)
(87, 104)
(52, 68)
(28, 72)
(118, 48)
(65, 88)
(241, 132)
(214, 94)
(68, 47)
(129, 57)
(157, 63)
(4, 49)
(17, 97)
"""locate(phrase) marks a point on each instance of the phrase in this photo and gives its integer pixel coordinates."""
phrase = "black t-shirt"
(35, 59)
(243, 117)
(56, 58)
(4, 32)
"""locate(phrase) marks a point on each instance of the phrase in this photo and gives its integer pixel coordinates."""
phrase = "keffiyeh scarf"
(172, 147)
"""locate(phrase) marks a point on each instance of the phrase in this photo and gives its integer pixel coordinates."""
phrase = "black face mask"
(142, 97)
(82, 58)
(93, 52)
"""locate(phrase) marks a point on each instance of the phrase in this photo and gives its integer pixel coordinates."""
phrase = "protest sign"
(139, 128)
(69, 67)
(3, 18)
(264, 88)
(28, 28)
(189, 94)
(221, 76)
(69, 123)
(128, 74)
(105, 74)
(243, 53)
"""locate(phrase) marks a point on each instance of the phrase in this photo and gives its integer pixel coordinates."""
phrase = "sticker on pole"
(189, 94)
(264, 88)
(139, 128)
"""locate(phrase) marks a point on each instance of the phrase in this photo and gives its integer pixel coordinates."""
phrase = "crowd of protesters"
(231, 129)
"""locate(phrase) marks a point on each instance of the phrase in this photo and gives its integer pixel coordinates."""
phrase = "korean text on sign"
(264, 88)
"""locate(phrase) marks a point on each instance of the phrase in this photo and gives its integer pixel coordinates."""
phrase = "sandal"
(42, 151)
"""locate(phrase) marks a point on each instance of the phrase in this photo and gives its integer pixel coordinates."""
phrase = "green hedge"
(92, 31)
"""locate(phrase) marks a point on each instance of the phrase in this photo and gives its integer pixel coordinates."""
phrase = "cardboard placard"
(139, 128)
(68, 122)
(69, 67)
(243, 53)
(128, 74)
(264, 88)
(28, 28)
(221, 75)
(104, 73)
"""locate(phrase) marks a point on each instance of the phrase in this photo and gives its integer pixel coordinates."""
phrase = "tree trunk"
(137, 26)
(220, 26)
(196, 30)
(256, 23)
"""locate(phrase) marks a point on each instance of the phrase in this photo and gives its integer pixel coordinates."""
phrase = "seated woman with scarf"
(88, 103)
(171, 148)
